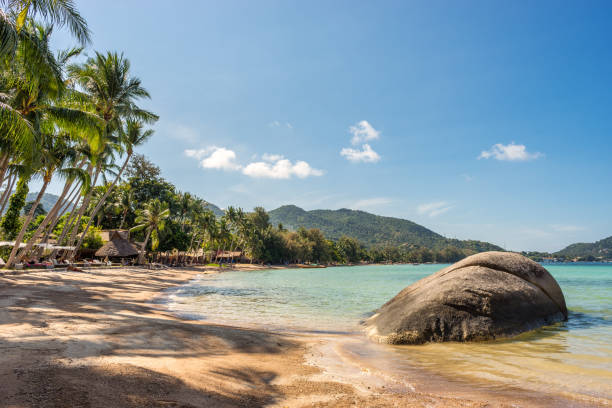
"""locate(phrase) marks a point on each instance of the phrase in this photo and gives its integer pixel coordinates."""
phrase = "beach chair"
(19, 266)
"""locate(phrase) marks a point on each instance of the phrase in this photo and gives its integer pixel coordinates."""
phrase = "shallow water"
(573, 358)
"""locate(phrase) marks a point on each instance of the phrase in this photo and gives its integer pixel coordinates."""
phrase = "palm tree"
(37, 90)
(31, 85)
(58, 12)
(125, 199)
(97, 165)
(152, 220)
(134, 135)
(186, 206)
(55, 153)
(111, 92)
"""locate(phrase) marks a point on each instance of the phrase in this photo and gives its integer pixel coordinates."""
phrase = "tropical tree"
(152, 219)
(125, 200)
(111, 92)
(16, 13)
(55, 152)
(37, 91)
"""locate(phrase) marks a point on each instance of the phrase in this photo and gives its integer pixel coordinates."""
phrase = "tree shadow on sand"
(55, 386)
(114, 325)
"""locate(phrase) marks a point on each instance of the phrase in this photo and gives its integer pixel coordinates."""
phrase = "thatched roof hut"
(117, 247)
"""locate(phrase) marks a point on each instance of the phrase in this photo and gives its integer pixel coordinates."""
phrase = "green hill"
(599, 249)
(47, 201)
(372, 230)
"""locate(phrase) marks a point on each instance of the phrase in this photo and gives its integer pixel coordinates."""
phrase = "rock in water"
(482, 297)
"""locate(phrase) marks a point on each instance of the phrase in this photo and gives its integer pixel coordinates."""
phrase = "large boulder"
(482, 297)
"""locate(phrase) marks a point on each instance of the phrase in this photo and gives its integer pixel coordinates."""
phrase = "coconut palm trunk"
(100, 204)
(143, 250)
(72, 196)
(68, 223)
(84, 205)
(7, 193)
(26, 223)
(45, 222)
(4, 165)
(125, 211)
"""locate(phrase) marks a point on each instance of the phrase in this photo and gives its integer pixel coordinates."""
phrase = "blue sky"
(477, 119)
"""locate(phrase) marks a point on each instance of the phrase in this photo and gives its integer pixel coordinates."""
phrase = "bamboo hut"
(117, 247)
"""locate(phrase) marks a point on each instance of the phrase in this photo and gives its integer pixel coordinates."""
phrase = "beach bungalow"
(117, 247)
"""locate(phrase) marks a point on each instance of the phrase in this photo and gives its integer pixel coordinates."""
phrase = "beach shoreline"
(99, 338)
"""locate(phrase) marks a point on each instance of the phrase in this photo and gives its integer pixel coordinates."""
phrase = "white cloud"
(277, 167)
(467, 177)
(434, 209)
(215, 157)
(363, 132)
(365, 155)
(509, 152)
(273, 166)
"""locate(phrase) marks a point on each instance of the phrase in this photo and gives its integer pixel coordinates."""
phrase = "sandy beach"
(102, 338)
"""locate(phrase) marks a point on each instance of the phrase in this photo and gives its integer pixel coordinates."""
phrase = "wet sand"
(102, 338)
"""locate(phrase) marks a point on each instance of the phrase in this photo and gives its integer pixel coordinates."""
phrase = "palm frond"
(8, 35)
(14, 128)
(59, 12)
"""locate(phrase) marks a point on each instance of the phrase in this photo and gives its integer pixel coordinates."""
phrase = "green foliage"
(62, 222)
(93, 240)
(40, 210)
(11, 222)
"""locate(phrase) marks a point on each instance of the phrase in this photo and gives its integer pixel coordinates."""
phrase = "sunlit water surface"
(572, 358)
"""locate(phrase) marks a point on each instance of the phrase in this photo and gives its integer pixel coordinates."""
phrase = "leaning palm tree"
(152, 219)
(15, 14)
(34, 77)
(54, 154)
(108, 89)
(133, 135)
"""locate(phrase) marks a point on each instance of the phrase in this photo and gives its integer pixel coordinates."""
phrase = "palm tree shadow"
(56, 386)
(115, 324)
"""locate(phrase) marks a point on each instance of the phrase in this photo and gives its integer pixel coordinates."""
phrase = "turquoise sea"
(573, 358)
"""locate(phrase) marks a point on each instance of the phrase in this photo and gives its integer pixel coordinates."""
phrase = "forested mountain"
(370, 229)
(599, 249)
